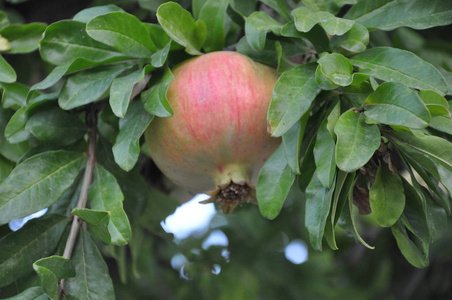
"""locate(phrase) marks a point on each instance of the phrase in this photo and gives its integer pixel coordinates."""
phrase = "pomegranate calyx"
(233, 195)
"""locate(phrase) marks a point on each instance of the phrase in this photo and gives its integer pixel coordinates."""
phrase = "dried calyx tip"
(232, 195)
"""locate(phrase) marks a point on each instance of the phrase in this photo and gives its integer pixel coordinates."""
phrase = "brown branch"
(91, 120)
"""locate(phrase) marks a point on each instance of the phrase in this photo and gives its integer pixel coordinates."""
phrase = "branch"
(91, 120)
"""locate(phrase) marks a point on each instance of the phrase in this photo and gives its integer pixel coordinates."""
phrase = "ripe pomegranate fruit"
(216, 141)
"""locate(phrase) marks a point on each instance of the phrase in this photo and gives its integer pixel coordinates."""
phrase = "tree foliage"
(361, 104)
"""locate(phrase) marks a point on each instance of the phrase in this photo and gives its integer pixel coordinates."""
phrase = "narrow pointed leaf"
(436, 104)
(50, 270)
(395, 104)
(56, 126)
(396, 65)
(154, 99)
(409, 249)
(37, 183)
(92, 280)
(7, 73)
(65, 41)
(356, 141)
(318, 202)
(386, 196)
(90, 13)
(181, 27)
(337, 68)
(122, 31)
(33, 293)
(20, 249)
(121, 90)
(275, 180)
(353, 41)
(23, 38)
(98, 221)
(88, 86)
(213, 13)
(292, 96)
(291, 141)
(257, 25)
(106, 195)
(324, 156)
(386, 14)
(131, 128)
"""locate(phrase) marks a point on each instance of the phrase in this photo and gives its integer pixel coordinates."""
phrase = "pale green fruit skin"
(218, 132)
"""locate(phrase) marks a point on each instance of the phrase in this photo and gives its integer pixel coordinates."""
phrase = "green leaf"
(305, 19)
(131, 128)
(163, 43)
(6, 166)
(390, 14)
(90, 13)
(58, 72)
(356, 141)
(124, 32)
(353, 41)
(4, 21)
(244, 7)
(56, 126)
(14, 95)
(351, 216)
(395, 104)
(37, 183)
(213, 13)
(89, 86)
(409, 249)
(355, 95)
(387, 198)
(65, 41)
(292, 97)
(436, 104)
(317, 36)
(23, 38)
(50, 270)
(154, 99)
(434, 153)
(307, 164)
(92, 280)
(432, 183)
(274, 183)
(318, 202)
(415, 213)
(337, 68)
(280, 6)
(181, 27)
(98, 221)
(14, 152)
(20, 249)
(15, 131)
(121, 90)
(7, 73)
(324, 156)
(32, 293)
(106, 195)
(158, 58)
(344, 183)
(257, 25)
(442, 123)
(395, 65)
(291, 141)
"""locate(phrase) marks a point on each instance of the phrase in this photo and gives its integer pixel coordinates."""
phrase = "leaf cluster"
(364, 117)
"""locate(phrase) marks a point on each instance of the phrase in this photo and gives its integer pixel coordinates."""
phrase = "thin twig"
(91, 120)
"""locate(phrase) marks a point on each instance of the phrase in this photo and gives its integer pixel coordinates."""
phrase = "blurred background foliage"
(253, 264)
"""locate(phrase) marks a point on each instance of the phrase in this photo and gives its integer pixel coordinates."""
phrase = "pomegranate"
(216, 141)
